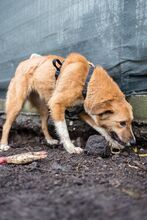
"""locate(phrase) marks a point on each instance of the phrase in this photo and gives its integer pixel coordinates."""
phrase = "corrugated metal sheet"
(112, 33)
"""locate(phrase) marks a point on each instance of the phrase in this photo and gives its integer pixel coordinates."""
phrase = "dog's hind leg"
(42, 108)
(14, 102)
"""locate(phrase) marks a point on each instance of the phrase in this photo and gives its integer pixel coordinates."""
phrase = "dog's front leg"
(62, 131)
(85, 117)
(57, 112)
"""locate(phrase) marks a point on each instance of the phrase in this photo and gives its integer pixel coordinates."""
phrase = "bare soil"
(73, 187)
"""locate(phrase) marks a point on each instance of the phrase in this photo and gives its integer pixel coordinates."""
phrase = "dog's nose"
(133, 141)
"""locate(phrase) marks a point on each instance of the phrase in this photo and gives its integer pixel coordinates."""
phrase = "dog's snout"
(133, 141)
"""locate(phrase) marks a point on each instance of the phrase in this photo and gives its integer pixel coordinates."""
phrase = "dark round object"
(98, 146)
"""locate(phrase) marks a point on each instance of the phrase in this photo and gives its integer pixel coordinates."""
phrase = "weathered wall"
(112, 33)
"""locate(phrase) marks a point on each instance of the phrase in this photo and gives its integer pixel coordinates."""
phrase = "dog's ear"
(105, 114)
(104, 109)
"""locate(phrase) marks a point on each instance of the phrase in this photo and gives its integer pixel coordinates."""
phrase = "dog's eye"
(123, 123)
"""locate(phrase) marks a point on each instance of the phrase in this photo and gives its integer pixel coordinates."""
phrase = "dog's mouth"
(115, 137)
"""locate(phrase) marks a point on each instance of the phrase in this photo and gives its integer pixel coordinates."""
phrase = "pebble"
(71, 123)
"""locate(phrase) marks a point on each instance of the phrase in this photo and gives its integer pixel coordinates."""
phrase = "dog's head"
(115, 117)
(107, 105)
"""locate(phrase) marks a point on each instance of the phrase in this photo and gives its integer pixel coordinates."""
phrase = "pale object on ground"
(23, 158)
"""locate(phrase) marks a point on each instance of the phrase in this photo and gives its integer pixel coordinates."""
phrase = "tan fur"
(104, 95)
(35, 75)
(69, 85)
(35, 79)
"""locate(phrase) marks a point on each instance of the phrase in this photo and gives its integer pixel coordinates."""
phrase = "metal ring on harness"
(55, 61)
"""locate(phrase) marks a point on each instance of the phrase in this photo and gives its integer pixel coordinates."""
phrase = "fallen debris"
(23, 158)
(140, 152)
(139, 165)
(131, 193)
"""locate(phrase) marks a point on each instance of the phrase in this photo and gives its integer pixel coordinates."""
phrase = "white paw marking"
(52, 141)
(73, 150)
(78, 150)
(65, 139)
(4, 147)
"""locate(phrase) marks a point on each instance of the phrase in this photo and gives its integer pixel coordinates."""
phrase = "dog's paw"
(74, 150)
(78, 150)
(52, 141)
(4, 147)
(115, 145)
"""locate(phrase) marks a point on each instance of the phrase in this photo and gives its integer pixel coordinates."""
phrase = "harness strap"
(91, 69)
(84, 92)
(71, 113)
(55, 62)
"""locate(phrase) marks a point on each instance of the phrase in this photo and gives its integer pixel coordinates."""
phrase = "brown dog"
(106, 109)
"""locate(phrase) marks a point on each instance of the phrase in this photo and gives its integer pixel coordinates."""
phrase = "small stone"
(71, 123)
(98, 146)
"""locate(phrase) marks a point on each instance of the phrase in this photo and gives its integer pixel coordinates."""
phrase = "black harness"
(55, 62)
(58, 64)
(84, 92)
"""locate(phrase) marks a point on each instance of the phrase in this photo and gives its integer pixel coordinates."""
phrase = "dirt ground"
(74, 187)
